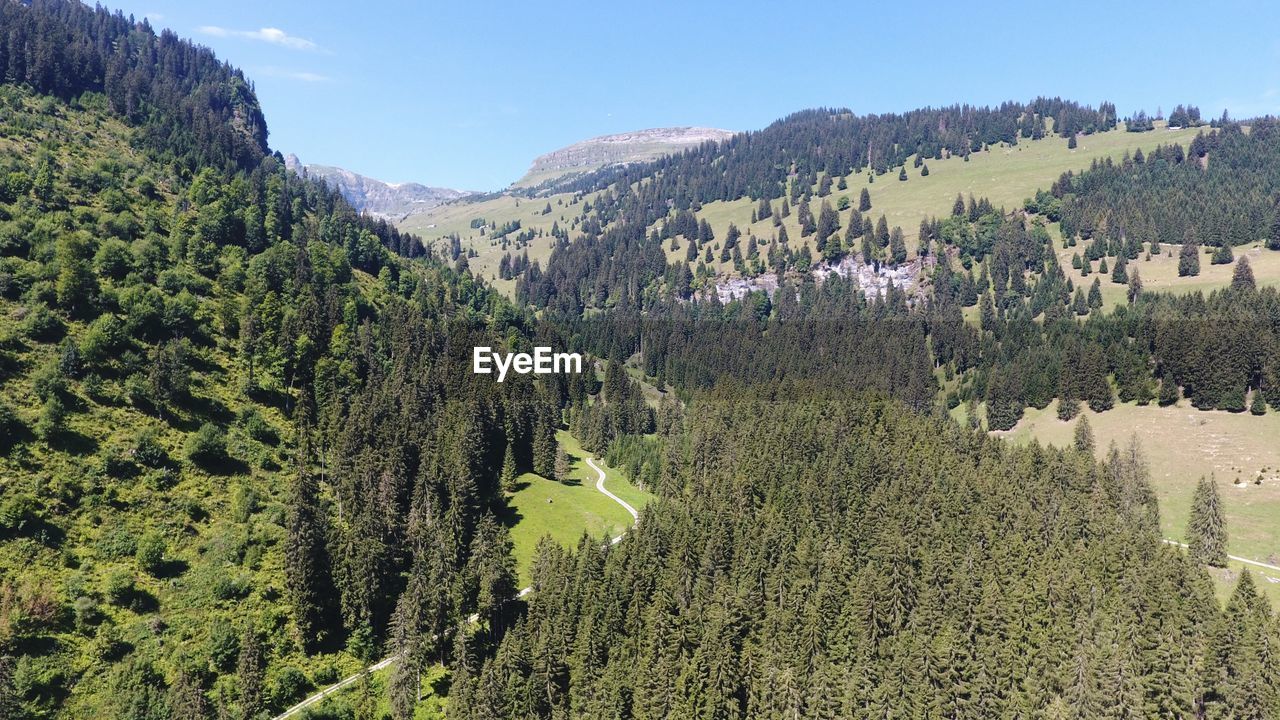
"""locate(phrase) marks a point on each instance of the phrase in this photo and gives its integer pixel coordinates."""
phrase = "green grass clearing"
(564, 511)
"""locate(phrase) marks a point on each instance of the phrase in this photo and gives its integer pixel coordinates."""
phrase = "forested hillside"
(833, 558)
(244, 454)
(239, 421)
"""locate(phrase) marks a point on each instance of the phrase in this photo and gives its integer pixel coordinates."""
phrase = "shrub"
(257, 427)
(120, 587)
(207, 447)
(288, 685)
(148, 449)
(42, 324)
(150, 553)
(224, 645)
(10, 425)
(52, 421)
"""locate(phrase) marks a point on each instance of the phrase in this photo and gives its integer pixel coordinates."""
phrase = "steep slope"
(239, 424)
(389, 201)
(610, 150)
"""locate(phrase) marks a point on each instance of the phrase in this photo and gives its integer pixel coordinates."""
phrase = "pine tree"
(1095, 294)
(864, 200)
(1206, 527)
(1119, 275)
(509, 470)
(1242, 276)
(957, 209)
(250, 675)
(1169, 393)
(1189, 260)
(562, 464)
(1223, 255)
(308, 573)
(544, 448)
(897, 246)
(1135, 285)
(1258, 405)
(1083, 435)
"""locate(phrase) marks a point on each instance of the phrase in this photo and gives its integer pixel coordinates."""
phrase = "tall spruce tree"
(308, 572)
(1206, 527)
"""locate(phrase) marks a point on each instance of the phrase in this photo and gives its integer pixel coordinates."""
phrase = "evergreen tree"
(1189, 260)
(1119, 274)
(250, 675)
(308, 578)
(1242, 276)
(864, 200)
(1206, 526)
(510, 472)
(897, 246)
(562, 464)
(1083, 435)
(1222, 255)
(1095, 294)
(1135, 285)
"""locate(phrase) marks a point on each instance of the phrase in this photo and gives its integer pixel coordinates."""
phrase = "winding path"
(387, 661)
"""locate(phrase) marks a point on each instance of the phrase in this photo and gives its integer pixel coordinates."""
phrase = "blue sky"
(465, 94)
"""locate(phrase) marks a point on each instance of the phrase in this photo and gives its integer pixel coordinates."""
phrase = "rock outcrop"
(617, 149)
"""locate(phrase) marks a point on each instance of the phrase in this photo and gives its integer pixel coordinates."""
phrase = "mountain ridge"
(381, 199)
(617, 149)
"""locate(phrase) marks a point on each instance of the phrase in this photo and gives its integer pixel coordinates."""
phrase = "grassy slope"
(1005, 175)
(442, 221)
(1160, 273)
(566, 510)
(1183, 444)
(222, 529)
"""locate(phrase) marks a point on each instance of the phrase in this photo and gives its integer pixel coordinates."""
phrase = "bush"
(224, 645)
(52, 421)
(10, 425)
(117, 542)
(148, 449)
(42, 324)
(150, 553)
(113, 259)
(288, 685)
(257, 427)
(87, 613)
(120, 587)
(18, 511)
(208, 446)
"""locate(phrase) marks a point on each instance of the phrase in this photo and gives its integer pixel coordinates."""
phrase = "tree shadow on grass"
(508, 515)
(73, 442)
(225, 465)
(171, 569)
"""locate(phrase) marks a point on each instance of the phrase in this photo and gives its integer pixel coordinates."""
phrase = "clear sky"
(465, 94)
